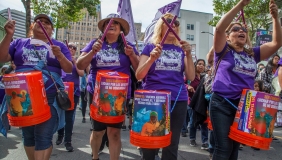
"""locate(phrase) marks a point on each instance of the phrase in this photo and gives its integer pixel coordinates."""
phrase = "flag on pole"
(173, 8)
(125, 12)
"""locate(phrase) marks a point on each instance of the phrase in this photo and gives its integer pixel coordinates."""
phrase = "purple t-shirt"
(73, 77)
(236, 72)
(23, 55)
(108, 58)
(166, 73)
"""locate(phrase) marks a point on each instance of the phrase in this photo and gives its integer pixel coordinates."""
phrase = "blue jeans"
(193, 129)
(41, 135)
(69, 118)
(185, 123)
(222, 115)
(211, 144)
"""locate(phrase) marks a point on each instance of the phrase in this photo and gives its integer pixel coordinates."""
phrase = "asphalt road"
(11, 148)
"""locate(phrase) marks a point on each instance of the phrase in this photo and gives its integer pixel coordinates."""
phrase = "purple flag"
(125, 12)
(173, 8)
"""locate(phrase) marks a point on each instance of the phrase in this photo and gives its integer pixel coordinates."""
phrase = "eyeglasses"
(261, 69)
(73, 47)
(237, 29)
(176, 22)
(114, 22)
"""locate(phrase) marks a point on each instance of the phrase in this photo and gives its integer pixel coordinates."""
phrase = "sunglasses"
(176, 22)
(114, 22)
(72, 47)
(261, 69)
(237, 29)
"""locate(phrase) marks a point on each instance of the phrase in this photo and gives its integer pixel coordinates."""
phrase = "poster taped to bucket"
(69, 88)
(110, 96)
(26, 98)
(259, 114)
(151, 119)
(256, 119)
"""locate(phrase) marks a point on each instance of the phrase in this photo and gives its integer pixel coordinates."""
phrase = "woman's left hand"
(128, 50)
(57, 52)
(186, 47)
(273, 9)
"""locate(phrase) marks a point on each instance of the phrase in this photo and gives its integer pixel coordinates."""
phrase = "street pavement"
(11, 148)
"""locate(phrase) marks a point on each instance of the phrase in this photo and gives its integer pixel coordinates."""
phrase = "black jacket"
(199, 104)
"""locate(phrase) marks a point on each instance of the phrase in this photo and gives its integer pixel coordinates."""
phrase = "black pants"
(83, 104)
(177, 117)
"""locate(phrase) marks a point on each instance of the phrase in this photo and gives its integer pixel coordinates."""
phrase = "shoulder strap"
(218, 62)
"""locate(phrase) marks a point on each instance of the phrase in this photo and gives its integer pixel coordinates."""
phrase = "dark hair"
(261, 64)
(260, 84)
(120, 46)
(199, 61)
(270, 65)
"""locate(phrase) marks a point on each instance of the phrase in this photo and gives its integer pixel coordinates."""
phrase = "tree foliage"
(256, 13)
(61, 11)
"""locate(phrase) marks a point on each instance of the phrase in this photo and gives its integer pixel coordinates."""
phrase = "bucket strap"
(176, 98)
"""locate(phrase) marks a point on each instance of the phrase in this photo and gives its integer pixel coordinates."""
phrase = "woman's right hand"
(156, 52)
(10, 27)
(245, 2)
(97, 46)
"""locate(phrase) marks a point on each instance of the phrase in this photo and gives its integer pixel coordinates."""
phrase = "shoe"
(183, 134)
(210, 156)
(274, 138)
(68, 146)
(257, 149)
(79, 108)
(59, 140)
(193, 143)
(240, 147)
(129, 127)
(83, 120)
(123, 127)
(205, 146)
(157, 157)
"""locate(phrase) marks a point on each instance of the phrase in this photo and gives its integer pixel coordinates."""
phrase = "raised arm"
(5, 43)
(220, 36)
(210, 57)
(268, 49)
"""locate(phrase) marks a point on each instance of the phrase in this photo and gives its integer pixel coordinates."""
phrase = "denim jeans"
(211, 144)
(69, 119)
(222, 115)
(185, 123)
(193, 129)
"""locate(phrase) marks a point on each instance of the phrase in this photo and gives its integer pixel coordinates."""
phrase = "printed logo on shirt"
(29, 57)
(107, 57)
(169, 60)
(244, 64)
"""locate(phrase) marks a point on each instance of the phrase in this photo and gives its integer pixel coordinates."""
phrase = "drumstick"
(9, 14)
(176, 36)
(107, 28)
(243, 17)
(67, 44)
(167, 31)
(44, 31)
(123, 38)
(238, 17)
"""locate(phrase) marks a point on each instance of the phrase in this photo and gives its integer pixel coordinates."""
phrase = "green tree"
(62, 11)
(256, 14)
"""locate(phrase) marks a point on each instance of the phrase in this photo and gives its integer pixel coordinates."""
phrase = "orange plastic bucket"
(26, 98)
(257, 118)
(110, 96)
(151, 119)
(69, 88)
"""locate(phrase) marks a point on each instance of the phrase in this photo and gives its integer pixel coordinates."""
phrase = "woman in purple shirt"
(236, 71)
(162, 68)
(110, 54)
(37, 139)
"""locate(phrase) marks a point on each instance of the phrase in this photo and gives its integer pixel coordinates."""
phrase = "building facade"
(195, 29)
(82, 32)
(138, 27)
(20, 19)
